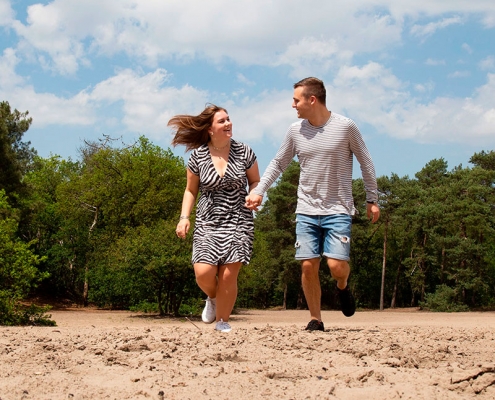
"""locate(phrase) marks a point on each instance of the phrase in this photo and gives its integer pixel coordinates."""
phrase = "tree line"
(100, 230)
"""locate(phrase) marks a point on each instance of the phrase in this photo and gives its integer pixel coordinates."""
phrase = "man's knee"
(338, 268)
(310, 268)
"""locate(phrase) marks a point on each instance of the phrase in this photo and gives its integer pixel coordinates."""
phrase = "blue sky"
(418, 76)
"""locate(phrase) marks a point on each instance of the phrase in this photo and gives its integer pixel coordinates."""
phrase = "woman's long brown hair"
(192, 131)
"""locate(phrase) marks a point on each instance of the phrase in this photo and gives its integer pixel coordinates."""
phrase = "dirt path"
(404, 354)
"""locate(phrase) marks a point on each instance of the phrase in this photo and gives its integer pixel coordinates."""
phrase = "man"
(325, 143)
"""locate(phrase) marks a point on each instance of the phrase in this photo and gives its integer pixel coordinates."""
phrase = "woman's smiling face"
(221, 126)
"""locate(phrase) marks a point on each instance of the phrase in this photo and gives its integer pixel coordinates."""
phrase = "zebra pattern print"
(224, 229)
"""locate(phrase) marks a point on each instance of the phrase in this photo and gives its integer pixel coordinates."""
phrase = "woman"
(219, 168)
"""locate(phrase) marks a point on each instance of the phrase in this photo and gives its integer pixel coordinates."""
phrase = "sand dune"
(404, 354)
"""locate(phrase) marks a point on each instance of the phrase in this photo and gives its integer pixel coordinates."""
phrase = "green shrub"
(145, 306)
(18, 273)
(445, 299)
(192, 307)
(13, 313)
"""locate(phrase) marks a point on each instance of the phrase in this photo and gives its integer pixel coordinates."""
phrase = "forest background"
(100, 230)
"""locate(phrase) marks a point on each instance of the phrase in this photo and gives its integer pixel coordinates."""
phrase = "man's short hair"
(313, 87)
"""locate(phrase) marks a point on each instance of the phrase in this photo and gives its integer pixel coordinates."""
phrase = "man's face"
(301, 103)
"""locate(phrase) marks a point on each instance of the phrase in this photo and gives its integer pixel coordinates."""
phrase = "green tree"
(483, 159)
(366, 252)
(276, 222)
(44, 222)
(18, 272)
(117, 190)
(147, 264)
(427, 219)
(469, 234)
(258, 279)
(15, 155)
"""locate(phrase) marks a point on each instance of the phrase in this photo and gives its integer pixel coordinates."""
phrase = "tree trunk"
(86, 286)
(384, 265)
(86, 269)
(160, 302)
(442, 266)
(300, 299)
(396, 287)
(284, 306)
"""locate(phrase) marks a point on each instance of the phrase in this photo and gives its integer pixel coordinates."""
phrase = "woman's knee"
(204, 272)
(228, 273)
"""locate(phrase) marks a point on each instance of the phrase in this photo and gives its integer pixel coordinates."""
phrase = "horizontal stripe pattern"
(325, 154)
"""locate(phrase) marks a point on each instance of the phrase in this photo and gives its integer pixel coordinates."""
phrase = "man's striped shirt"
(325, 154)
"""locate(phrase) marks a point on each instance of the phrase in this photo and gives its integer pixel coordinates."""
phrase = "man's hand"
(253, 201)
(373, 212)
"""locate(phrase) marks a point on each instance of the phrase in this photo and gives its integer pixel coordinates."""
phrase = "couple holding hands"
(220, 169)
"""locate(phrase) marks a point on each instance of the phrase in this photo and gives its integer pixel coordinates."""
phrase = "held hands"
(373, 212)
(182, 228)
(253, 201)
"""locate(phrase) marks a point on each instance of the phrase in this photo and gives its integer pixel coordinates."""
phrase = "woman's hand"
(182, 228)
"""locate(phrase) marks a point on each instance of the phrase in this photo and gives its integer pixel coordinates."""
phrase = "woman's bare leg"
(227, 289)
(206, 278)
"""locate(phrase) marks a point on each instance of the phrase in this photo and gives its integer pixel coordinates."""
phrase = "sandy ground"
(394, 354)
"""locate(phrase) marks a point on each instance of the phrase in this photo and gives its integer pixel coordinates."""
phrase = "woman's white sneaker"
(210, 311)
(223, 326)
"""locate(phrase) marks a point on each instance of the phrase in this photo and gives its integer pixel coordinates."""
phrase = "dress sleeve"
(192, 164)
(250, 157)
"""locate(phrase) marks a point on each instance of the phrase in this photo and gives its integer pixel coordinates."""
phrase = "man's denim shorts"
(327, 235)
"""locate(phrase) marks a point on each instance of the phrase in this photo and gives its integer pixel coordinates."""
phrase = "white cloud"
(487, 63)
(469, 120)
(310, 56)
(489, 20)
(467, 48)
(52, 31)
(306, 36)
(424, 87)
(265, 117)
(245, 81)
(459, 74)
(45, 108)
(433, 62)
(373, 73)
(8, 77)
(429, 29)
(372, 94)
(147, 104)
(6, 13)
(49, 109)
(64, 35)
(68, 31)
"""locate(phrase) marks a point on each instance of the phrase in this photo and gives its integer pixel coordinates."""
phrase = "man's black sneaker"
(347, 302)
(315, 325)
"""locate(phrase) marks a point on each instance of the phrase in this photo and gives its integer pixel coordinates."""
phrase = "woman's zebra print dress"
(224, 228)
